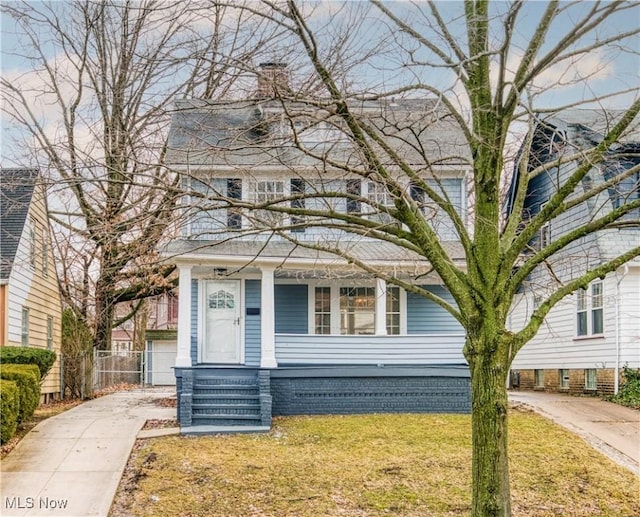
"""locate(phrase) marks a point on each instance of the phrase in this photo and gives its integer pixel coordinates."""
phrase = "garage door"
(163, 358)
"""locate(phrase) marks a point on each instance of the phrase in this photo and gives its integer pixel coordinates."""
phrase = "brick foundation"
(526, 380)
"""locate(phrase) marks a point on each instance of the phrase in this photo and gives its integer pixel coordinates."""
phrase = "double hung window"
(590, 310)
(355, 307)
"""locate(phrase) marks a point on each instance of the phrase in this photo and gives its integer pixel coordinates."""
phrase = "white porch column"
(183, 357)
(267, 319)
(381, 308)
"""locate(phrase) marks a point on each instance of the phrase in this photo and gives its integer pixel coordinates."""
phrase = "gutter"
(616, 375)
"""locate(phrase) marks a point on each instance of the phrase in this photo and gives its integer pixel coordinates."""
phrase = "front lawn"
(368, 465)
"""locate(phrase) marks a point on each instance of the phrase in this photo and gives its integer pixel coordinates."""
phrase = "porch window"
(393, 310)
(323, 310)
(357, 310)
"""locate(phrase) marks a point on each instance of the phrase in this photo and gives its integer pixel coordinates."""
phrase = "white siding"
(373, 350)
(556, 344)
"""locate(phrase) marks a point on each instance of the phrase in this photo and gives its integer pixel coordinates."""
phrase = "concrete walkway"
(610, 428)
(71, 464)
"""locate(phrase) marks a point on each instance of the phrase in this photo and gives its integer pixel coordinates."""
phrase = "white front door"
(222, 310)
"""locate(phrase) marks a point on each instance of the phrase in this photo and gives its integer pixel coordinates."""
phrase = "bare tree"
(92, 114)
(487, 70)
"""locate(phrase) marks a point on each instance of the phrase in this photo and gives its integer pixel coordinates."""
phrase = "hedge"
(41, 357)
(9, 409)
(27, 378)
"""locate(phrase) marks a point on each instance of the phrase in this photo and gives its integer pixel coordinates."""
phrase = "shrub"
(41, 357)
(77, 347)
(27, 378)
(629, 393)
(9, 409)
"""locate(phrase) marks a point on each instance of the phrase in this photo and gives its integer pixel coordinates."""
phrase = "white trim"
(380, 321)
(267, 319)
(183, 352)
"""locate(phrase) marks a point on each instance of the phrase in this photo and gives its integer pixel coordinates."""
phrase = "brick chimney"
(273, 80)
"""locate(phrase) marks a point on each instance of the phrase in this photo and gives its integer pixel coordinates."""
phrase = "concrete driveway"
(71, 464)
(612, 429)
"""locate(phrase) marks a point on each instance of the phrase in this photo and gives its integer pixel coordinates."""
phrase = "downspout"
(616, 374)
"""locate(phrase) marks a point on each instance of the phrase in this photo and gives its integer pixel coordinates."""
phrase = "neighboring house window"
(50, 332)
(545, 235)
(32, 244)
(564, 378)
(323, 310)
(597, 306)
(354, 188)
(297, 188)
(45, 254)
(539, 378)
(393, 310)
(581, 312)
(590, 310)
(357, 310)
(234, 192)
(25, 326)
(590, 379)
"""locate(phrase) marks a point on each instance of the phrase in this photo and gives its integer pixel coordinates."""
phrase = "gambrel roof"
(16, 192)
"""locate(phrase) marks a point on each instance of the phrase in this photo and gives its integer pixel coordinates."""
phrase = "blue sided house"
(275, 323)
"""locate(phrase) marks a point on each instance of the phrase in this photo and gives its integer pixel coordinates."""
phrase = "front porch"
(215, 399)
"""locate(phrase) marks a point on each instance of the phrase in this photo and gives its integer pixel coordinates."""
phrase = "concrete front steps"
(228, 401)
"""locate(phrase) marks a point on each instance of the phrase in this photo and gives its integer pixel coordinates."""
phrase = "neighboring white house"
(588, 338)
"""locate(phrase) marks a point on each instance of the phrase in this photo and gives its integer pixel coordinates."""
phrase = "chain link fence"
(84, 374)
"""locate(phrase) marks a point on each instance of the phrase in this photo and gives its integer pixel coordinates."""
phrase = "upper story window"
(297, 188)
(269, 191)
(32, 243)
(45, 254)
(379, 195)
(50, 332)
(234, 192)
(25, 327)
(590, 310)
(354, 188)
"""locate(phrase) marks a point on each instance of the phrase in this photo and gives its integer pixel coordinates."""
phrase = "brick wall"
(384, 394)
(553, 381)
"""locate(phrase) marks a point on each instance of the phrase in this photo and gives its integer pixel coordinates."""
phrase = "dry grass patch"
(369, 465)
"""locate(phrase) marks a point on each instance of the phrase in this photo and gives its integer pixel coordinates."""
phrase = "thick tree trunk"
(104, 319)
(490, 465)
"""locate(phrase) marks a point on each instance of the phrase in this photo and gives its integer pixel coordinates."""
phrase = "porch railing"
(370, 349)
